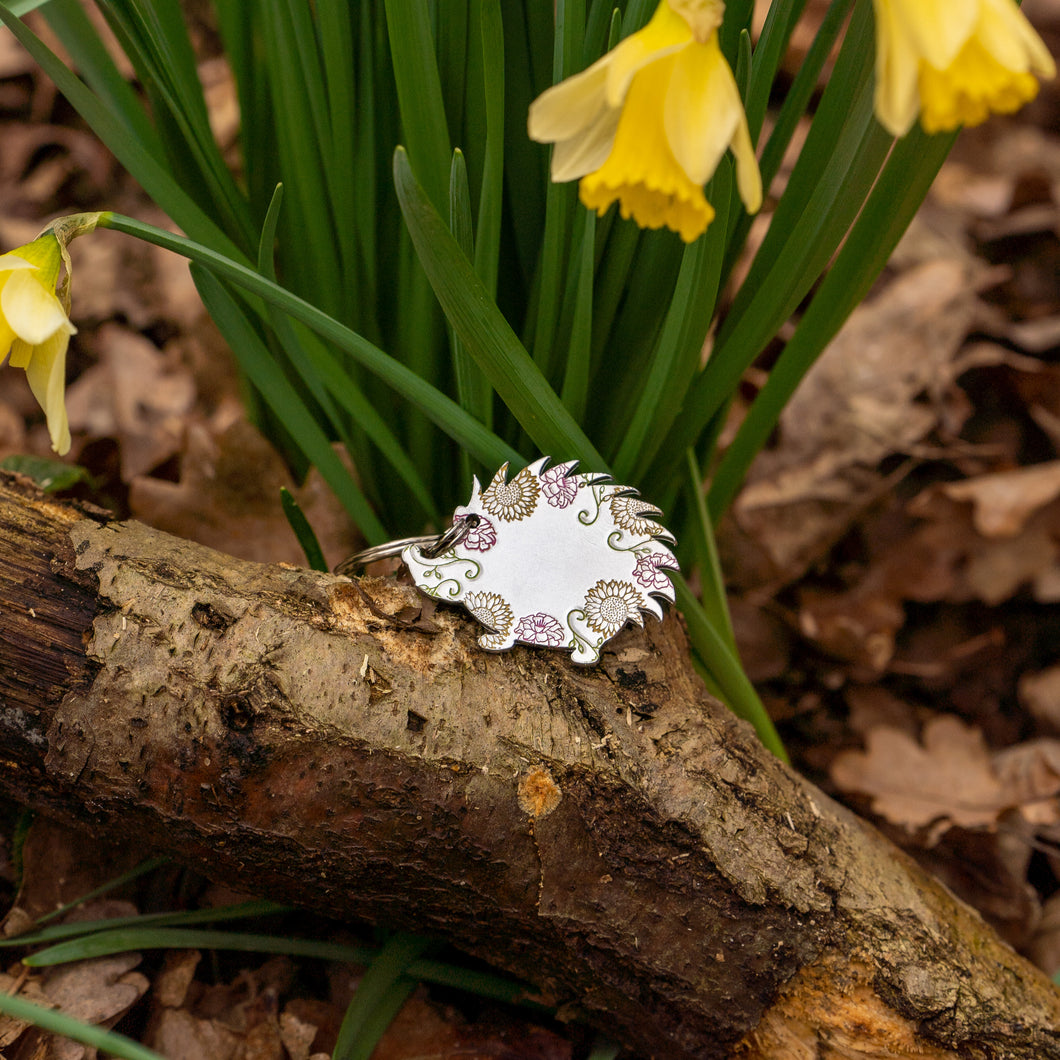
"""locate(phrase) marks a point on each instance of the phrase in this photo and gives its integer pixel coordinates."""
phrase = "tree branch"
(612, 835)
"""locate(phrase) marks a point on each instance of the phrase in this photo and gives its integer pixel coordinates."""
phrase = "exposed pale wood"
(611, 834)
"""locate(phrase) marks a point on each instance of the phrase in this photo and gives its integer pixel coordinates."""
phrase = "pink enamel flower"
(648, 573)
(559, 489)
(480, 538)
(539, 629)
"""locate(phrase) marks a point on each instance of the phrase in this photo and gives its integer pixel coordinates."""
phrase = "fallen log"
(611, 834)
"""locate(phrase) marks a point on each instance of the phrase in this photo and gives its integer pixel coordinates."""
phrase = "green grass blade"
(308, 246)
(472, 388)
(559, 201)
(798, 96)
(18, 8)
(79, 37)
(772, 43)
(123, 940)
(345, 392)
(453, 29)
(484, 331)
(256, 361)
(299, 524)
(796, 102)
(803, 236)
(677, 353)
(576, 378)
(380, 994)
(488, 236)
(737, 22)
(724, 667)
(440, 409)
(420, 95)
(712, 580)
(83, 928)
(526, 163)
(48, 1019)
(155, 37)
(119, 881)
(338, 55)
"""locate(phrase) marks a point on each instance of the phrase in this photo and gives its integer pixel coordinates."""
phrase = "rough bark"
(611, 834)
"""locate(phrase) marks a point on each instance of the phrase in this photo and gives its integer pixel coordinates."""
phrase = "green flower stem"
(439, 408)
(736, 690)
(715, 602)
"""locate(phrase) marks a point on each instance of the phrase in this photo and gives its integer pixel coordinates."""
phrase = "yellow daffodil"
(648, 123)
(35, 327)
(954, 62)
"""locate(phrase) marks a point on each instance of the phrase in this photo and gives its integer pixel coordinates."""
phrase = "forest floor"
(894, 562)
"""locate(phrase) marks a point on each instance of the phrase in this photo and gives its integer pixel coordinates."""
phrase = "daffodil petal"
(936, 29)
(1005, 32)
(641, 173)
(10, 262)
(7, 336)
(662, 36)
(579, 155)
(748, 175)
(46, 373)
(897, 64)
(701, 110)
(31, 310)
(570, 108)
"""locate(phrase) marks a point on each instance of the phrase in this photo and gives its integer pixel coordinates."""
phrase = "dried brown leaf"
(1030, 778)
(860, 403)
(171, 984)
(1005, 500)
(948, 777)
(228, 498)
(1040, 695)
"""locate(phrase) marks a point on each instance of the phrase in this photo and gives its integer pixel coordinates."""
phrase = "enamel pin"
(549, 558)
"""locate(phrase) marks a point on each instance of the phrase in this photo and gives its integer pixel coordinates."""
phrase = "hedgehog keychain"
(550, 558)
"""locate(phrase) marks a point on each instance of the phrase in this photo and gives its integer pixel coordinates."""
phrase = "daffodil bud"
(35, 326)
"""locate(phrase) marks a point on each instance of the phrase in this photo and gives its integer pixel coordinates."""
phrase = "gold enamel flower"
(491, 610)
(629, 514)
(609, 605)
(511, 501)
